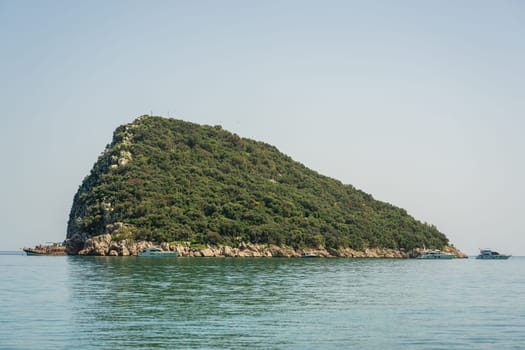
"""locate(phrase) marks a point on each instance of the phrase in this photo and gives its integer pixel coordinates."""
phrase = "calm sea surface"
(206, 303)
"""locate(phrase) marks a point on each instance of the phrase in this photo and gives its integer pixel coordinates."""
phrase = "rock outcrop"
(458, 253)
(103, 245)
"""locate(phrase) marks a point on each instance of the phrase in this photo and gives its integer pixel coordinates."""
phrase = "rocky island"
(203, 191)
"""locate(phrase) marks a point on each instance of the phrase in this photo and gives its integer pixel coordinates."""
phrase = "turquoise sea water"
(207, 303)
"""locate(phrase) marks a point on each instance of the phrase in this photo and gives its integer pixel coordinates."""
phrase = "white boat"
(435, 254)
(490, 254)
(157, 252)
(309, 255)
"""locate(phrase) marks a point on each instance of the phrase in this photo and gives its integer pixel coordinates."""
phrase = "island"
(203, 191)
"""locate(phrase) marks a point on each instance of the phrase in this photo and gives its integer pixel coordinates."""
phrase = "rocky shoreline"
(103, 245)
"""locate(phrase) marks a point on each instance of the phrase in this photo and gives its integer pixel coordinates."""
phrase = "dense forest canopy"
(168, 180)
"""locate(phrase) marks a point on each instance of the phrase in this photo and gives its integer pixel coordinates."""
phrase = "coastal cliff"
(104, 245)
(164, 180)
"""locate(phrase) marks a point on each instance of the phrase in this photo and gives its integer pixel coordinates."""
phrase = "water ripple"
(112, 303)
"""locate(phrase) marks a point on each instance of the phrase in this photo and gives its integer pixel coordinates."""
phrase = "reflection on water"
(167, 303)
(283, 303)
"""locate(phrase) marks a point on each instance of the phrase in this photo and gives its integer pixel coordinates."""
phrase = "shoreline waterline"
(104, 245)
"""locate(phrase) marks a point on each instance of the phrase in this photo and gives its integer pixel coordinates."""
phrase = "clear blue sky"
(420, 103)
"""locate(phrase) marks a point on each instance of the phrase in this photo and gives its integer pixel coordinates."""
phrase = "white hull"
(494, 257)
(436, 255)
(487, 254)
(156, 252)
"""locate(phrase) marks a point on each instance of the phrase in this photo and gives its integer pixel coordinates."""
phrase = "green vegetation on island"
(167, 180)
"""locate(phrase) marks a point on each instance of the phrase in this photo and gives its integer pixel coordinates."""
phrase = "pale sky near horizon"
(419, 103)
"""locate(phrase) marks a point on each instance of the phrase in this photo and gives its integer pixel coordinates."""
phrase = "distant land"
(205, 191)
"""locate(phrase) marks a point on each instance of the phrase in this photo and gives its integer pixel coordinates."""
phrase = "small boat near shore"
(309, 255)
(53, 249)
(157, 252)
(435, 254)
(488, 254)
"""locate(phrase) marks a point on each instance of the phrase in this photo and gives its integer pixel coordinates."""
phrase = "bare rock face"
(104, 245)
(75, 243)
(283, 252)
(227, 251)
(455, 251)
(208, 252)
(97, 245)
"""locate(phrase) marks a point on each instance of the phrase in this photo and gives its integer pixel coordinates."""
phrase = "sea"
(65, 302)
